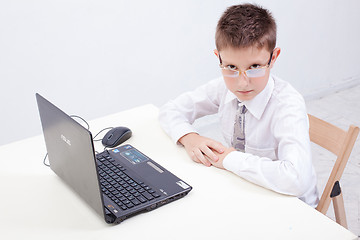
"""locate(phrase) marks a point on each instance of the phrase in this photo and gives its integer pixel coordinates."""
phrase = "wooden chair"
(340, 143)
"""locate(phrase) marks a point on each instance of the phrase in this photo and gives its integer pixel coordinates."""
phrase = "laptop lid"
(71, 153)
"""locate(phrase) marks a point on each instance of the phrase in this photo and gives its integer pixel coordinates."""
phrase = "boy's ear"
(275, 55)
(216, 52)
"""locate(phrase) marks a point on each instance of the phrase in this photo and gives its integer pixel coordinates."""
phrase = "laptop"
(117, 183)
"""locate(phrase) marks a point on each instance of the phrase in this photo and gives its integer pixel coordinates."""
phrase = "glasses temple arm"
(220, 59)
(270, 58)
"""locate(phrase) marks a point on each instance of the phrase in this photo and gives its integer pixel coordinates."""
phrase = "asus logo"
(67, 141)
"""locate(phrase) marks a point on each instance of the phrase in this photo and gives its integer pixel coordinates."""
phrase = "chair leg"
(339, 209)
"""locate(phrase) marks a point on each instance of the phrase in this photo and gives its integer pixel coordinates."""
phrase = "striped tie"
(239, 129)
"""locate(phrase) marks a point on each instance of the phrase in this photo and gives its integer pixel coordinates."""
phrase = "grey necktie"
(239, 129)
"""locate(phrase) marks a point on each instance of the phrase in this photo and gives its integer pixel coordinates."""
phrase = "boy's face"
(242, 59)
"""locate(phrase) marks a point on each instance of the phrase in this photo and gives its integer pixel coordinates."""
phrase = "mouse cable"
(96, 140)
(75, 116)
(88, 128)
(44, 161)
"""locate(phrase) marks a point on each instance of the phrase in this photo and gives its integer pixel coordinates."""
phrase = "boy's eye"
(231, 67)
(254, 66)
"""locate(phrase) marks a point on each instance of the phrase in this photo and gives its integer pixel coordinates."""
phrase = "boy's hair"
(246, 25)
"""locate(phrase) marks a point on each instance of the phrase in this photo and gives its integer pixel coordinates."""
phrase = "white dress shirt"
(277, 146)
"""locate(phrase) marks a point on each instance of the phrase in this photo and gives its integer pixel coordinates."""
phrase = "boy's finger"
(200, 156)
(216, 146)
(193, 157)
(209, 153)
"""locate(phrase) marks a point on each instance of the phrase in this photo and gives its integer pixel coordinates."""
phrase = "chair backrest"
(337, 141)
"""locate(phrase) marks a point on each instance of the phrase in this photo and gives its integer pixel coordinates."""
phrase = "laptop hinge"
(109, 217)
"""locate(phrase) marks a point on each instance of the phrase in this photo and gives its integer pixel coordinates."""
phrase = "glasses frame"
(239, 71)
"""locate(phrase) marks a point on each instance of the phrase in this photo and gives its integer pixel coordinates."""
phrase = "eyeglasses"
(250, 73)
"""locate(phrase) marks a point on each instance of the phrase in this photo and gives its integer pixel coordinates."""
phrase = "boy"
(263, 119)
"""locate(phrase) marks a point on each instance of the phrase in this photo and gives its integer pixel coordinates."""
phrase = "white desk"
(36, 204)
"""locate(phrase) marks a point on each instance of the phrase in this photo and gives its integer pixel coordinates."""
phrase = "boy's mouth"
(245, 92)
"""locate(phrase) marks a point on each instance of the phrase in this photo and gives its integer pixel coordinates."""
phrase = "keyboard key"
(155, 195)
(135, 202)
(123, 191)
(123, 207)
(130, 205)
(147, 195)
(141, 199)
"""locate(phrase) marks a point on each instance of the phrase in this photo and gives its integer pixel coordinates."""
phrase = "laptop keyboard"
(125, 191)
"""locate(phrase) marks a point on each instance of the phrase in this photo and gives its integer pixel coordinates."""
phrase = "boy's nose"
(243, 80)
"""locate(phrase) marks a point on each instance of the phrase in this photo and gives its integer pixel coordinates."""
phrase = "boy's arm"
(292, 173)
(177, 116)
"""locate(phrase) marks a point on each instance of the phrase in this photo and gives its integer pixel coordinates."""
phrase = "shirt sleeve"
(177, 116)
(292, 172)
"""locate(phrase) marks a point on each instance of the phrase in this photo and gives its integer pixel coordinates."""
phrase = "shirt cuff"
(234, 161)
(182, 130)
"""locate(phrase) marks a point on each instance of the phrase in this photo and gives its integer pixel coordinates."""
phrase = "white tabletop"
(35, 203)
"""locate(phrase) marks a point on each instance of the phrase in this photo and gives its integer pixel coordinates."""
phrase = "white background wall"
(93, 58)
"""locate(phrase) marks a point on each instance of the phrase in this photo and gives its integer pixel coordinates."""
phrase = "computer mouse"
(116, 136)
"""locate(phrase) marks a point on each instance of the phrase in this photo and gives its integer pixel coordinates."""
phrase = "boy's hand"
(221, 157)
(201, 149)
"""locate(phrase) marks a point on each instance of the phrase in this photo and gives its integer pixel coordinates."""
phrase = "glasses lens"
(229, 73)
(253, 73)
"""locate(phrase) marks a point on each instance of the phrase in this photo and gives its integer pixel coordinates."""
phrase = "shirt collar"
(256, 106)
